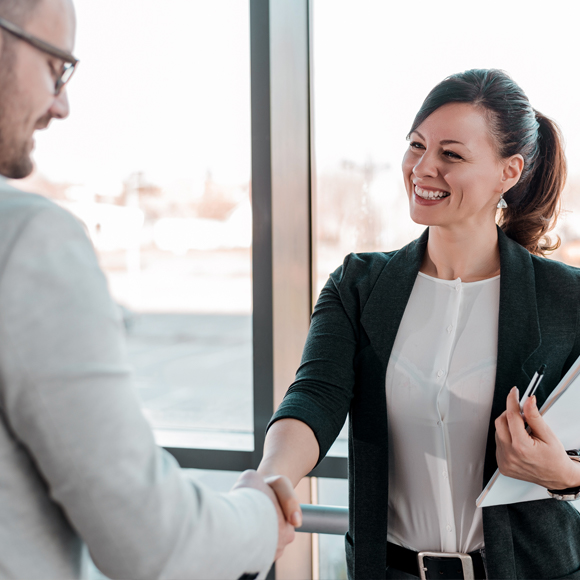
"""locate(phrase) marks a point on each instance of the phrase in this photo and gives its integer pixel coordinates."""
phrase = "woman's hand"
(251, 478)
(287, 499)
(538, 456)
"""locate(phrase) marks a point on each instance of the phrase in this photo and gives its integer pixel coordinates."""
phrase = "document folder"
(561, 412)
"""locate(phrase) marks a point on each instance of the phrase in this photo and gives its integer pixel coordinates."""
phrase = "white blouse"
(440, 382)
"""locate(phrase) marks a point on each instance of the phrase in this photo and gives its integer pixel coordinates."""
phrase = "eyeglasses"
(70, 62)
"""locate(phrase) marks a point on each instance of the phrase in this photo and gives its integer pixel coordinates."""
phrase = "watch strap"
(568, 494)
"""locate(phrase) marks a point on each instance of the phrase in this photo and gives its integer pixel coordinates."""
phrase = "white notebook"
(562, 413)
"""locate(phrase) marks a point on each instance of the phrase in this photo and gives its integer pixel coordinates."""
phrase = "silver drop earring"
(501, 204)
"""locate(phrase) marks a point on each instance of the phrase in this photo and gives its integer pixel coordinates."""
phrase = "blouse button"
(449, 528)
(450, 328)
(440, 373)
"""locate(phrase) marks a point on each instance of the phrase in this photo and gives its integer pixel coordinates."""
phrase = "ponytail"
(534, 202)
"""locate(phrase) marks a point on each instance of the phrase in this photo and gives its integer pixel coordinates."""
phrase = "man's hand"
(253, 479)
(539, 456)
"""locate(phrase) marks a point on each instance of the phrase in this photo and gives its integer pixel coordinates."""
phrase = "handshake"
(279, 489)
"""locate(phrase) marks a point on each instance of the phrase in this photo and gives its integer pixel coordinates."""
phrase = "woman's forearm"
(290, 449)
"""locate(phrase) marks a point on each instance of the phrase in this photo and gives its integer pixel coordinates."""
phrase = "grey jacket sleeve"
(66, 395)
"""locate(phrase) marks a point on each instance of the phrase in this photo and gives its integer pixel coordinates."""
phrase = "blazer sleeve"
(322, 391)
(67, 396)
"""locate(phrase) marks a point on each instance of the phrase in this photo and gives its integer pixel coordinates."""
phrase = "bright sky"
(163, 87)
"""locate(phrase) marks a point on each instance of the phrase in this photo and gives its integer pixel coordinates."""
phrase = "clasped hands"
(279, 489)
(538, 456)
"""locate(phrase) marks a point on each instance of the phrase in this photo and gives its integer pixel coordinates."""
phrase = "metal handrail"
(324, 519)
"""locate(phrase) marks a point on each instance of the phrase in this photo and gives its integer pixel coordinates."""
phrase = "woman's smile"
(429, 196)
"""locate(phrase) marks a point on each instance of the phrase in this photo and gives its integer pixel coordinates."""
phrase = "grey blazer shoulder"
(343, 370)
(18, 208)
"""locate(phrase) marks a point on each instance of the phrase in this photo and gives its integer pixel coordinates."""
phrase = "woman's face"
(452, 172)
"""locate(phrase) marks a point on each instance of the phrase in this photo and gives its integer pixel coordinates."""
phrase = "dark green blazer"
(343, 371)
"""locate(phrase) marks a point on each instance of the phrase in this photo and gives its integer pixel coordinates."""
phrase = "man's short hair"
(17, 11)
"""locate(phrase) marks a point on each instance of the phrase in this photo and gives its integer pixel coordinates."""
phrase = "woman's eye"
(452, 155)
(416, 145)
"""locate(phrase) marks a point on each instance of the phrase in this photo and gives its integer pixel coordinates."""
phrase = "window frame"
(283, 191)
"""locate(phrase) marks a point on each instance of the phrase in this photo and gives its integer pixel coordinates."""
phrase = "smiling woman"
(494, 138)
(452, 167)
(422, 345)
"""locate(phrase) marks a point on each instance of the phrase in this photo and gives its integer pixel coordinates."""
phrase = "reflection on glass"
(155, 160)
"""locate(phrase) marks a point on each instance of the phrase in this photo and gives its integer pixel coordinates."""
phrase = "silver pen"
(533, 386)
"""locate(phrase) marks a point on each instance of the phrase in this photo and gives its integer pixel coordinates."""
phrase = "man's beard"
(15, 161)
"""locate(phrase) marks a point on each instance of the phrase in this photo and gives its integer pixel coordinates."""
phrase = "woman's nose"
(426, 166)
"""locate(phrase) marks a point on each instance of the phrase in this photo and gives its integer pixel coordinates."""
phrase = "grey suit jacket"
(343, 371)
(78, 463)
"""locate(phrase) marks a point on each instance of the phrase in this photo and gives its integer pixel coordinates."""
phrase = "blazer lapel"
(518, 332)
(387, 301)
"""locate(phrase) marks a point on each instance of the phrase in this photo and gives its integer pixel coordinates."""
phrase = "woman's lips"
(429, 196)
(422, 201)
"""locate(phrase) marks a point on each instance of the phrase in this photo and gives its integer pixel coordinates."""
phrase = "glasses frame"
(46, 47)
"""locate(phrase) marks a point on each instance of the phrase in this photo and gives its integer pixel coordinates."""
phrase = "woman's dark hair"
(534, 202)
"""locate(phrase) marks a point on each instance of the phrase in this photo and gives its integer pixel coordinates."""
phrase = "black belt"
(444, 568)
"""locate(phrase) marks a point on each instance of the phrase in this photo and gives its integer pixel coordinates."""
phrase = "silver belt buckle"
(466, 563)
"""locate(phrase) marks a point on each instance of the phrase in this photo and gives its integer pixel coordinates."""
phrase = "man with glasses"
(78, 462)
(31, 93)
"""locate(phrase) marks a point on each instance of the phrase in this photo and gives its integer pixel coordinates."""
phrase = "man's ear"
(512, 171)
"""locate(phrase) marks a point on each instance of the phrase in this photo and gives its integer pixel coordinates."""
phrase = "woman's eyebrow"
(451, 141)
(443, 141)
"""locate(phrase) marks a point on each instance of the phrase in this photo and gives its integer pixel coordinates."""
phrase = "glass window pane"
(155, 159)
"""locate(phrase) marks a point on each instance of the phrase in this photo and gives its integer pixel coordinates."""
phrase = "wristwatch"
(570, 493)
